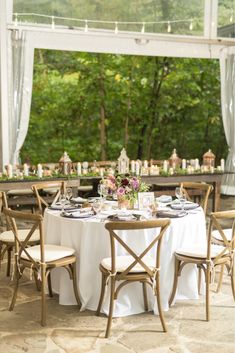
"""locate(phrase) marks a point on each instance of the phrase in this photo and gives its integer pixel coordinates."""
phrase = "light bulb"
(169, 27)
(191, 25)
(16, 20)
(143, 28)
(116, 28)
(52, 22)
(86, 26)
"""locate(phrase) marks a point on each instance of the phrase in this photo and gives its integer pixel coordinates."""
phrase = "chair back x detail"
(133, 267)
(209, 256)
(40, 259)
(57, 186)
(203, 188)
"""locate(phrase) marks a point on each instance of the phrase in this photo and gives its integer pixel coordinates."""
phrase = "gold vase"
(125, 203)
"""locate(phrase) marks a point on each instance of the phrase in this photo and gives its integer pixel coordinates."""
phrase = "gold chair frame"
(42, 204)
(40, 268)
(224, 258)
(204, 187)
(150, 276)
(6, 246)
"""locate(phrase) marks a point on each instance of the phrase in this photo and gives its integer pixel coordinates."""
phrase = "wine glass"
(97, 205)
(62, 200)
(100, 189)
(69, 193)
(179, 193)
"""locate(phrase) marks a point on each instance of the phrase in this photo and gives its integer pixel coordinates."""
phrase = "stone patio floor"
(71, 331)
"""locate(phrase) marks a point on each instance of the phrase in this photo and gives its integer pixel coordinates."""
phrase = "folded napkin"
(171, 214)
(164, 198)
(78, 214)
(78, 200)
(187, 206)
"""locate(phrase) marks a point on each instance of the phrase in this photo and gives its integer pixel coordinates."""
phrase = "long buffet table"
(75, 182)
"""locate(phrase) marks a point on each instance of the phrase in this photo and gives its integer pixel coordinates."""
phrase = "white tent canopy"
(19, 38)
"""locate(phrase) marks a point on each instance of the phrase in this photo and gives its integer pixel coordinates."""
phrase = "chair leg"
(208, 277)
(199, 279)
(49, 285)
(43, 295)
(175, 284)
(75, 285)
(232, 274)
(37, 282)
(157, 292)
(0, 255)
(16, 285)
(220, 278)
(111, 305)
(102, 292)
(9, 261)
(145, 296)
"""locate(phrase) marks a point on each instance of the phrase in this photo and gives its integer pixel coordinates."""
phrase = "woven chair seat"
(52, 252)
(8, 235)
(122, 262)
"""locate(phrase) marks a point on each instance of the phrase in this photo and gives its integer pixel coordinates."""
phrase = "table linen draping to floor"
(91, 241)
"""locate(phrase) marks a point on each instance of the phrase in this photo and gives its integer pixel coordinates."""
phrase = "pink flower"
(120, 191)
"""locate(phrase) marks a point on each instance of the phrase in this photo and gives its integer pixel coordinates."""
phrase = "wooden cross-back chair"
(203, 188)
(40, 259)
(57, 186)
(132, 267)
(210, 256)
(7, 239)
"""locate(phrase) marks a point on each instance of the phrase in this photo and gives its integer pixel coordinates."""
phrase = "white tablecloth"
(91, 241)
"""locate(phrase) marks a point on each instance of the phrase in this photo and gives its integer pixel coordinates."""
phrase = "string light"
(143, 28)
(116, 28)
(191, 25)
(168, 27)
(86, 26)
(52, 22)
(115, 23)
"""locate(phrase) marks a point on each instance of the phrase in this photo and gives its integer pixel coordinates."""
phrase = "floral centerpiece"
(124, 188)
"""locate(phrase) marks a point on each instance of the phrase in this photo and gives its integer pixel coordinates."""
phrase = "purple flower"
(135, 183)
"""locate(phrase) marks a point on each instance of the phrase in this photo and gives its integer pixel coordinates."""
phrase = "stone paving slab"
(71, 331)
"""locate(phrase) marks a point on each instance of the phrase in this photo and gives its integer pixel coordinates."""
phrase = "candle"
(40, 171)
(79, 168)
(133, 167)
(197, 166)
(26, 169)
(211, 169)
(222, 164)
(171, 171)
(137, 168)
(183, 163)
(145, 164)
(10, 171)
(101, 172)
(165, 166)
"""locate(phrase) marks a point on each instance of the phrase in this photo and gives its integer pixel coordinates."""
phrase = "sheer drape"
(22, 64)
(227, 70)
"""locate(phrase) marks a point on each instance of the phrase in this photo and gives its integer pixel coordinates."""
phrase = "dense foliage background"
(91, 105)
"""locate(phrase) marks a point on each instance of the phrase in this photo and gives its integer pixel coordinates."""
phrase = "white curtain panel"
(227, 72)
(22, 76)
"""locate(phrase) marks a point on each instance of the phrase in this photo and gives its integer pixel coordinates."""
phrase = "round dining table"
(91, 241)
